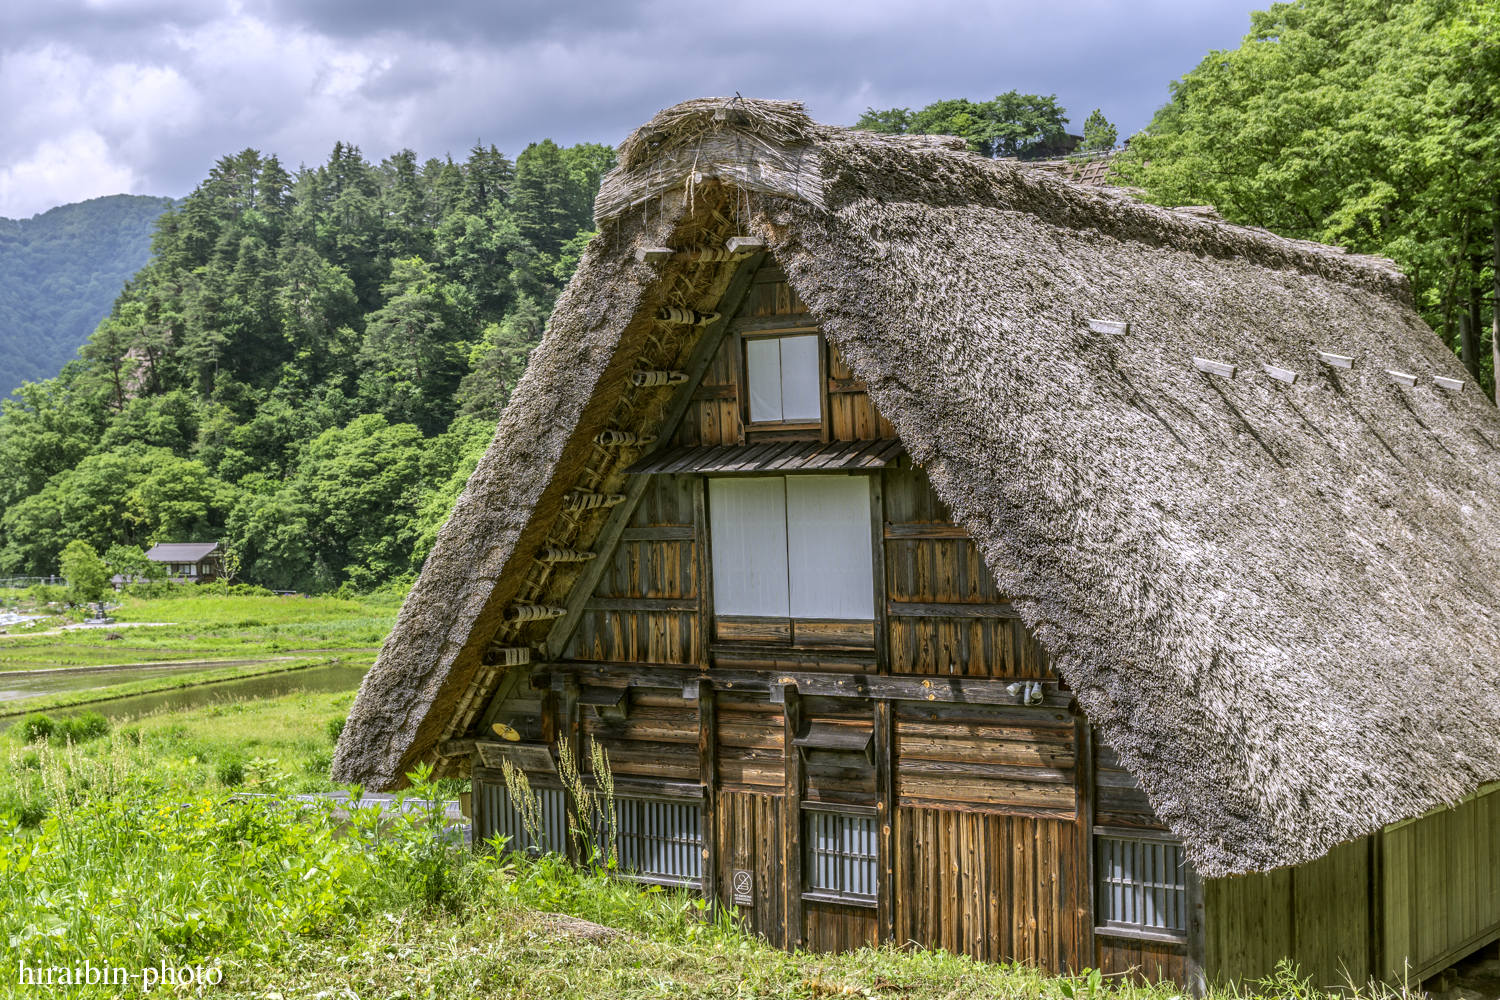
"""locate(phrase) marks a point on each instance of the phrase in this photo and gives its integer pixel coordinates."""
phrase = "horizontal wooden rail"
(641, 604)
(924, 531)
(912, 609)
(659, 533)
(789, 322)
(910, 687)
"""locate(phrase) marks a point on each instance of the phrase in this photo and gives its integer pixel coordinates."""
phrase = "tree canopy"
(1012, 124)
(1370, 124)
(307, 367)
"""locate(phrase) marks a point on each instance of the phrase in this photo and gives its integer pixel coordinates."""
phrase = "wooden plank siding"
(929, 562)
(750, 839)
(996, 887)
(649, 562)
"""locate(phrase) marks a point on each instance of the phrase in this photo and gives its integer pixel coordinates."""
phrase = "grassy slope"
(494, 934)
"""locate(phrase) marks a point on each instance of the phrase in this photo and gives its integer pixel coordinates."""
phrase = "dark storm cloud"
(103, 95)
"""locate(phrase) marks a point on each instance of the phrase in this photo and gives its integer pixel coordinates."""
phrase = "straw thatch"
(1277, 601)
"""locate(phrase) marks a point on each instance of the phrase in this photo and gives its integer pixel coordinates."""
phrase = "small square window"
(783, 377)
(1142, 884)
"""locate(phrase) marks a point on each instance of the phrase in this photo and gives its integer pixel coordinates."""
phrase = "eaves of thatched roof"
(1276, 599)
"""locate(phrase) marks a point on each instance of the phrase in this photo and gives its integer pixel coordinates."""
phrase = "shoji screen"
(828, 541)
(748, 521)
(783, 376)
(800, 398)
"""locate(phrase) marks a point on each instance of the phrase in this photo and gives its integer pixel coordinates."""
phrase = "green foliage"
(89, 725)
(1366, 123)
(1098, 133)
(303, 367)
(85, 572)
(336, 728)
(1012, 124)
(230, 771)
(58, 273)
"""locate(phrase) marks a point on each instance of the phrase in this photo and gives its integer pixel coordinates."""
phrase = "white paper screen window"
(828, 543)
(783, 377)
(748, 521)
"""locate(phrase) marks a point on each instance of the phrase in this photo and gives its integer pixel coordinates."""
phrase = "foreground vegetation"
(139, 846)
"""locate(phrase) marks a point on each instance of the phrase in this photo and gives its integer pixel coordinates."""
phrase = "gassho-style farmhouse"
(948, 554)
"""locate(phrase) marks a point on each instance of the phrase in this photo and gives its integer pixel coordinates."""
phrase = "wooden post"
(1197, 936)
(791, 859)
(1083, 786)
(708, 774)
(824, 417)
(885, 819)
(705, 569)
(877, 559)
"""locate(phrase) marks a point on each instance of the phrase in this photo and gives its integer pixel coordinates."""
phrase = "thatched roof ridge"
(1275, 600)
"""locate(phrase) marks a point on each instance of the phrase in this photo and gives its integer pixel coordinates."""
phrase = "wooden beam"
(909, 609)
(785, 323)
(659, 533)
(791, 826)
(703, 566)
(708, 774)
(1083, 783)
(902, 687)
(641, 604)
(619, 518)
(877, 558)
(925, 531)
(885, 801)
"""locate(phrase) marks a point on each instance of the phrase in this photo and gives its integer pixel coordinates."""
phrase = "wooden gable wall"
(984, 808)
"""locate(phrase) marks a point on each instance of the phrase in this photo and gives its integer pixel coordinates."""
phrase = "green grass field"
(133, 846)
(200, 624)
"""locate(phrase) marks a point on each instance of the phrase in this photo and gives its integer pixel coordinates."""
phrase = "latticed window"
(1142, 884)
(660, 841)
(840, 856)
(494, 814)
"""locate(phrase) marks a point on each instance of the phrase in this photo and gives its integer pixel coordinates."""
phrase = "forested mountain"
(59, 271)
(308, 366)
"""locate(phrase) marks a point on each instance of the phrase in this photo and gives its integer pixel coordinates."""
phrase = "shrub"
(82, 728)
(336, 728)
(250, 590)
(36, 726)
(230, 772)
(249, 623)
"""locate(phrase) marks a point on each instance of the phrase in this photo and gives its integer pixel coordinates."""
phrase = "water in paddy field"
(332, 677)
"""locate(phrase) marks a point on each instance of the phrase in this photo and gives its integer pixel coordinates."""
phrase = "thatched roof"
(1277, 601)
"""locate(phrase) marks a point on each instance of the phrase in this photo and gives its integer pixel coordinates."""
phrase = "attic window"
(783, 379)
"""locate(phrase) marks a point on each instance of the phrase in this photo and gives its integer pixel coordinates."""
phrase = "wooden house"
(950, 555)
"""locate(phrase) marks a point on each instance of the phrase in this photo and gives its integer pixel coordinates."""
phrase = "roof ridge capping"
(775, 148)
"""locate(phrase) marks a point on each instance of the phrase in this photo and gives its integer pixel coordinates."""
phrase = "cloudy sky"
(141, 96)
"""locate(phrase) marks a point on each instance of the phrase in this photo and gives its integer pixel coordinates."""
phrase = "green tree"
(1098, 133)
(85, 572)
(1012, 124)
(1371, 124)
